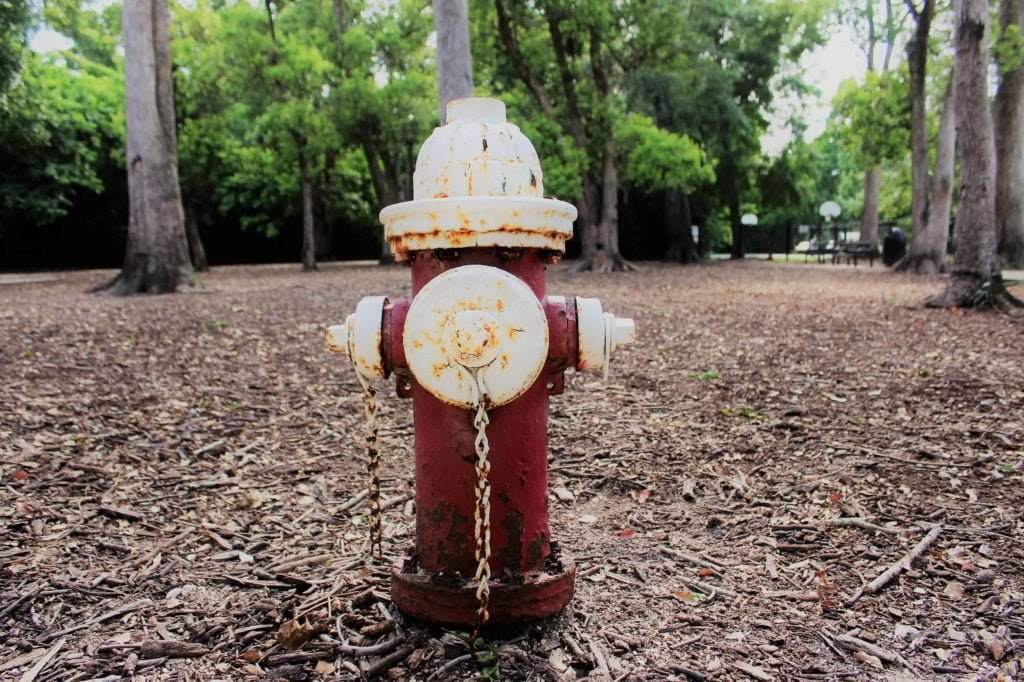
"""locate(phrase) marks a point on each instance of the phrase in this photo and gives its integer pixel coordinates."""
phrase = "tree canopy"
(305, 116)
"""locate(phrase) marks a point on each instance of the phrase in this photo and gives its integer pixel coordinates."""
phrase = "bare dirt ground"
(181, 480)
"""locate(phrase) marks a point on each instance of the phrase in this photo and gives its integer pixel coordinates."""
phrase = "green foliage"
(14, 22)
(60, 124)
(1008, 49)
(656, 159)
(872, 120)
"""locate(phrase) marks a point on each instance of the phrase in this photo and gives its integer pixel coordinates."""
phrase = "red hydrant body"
(480, 332)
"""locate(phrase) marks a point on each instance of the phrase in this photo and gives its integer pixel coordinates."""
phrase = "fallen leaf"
(556, 659)
(564, 494)
(324, 668)
(251, 655)
(683, 595)
(954, 591)
(20, 475)
(627, 533)
(873, 661)
(641, 495)
(754, 671)
(294, 634)
(705, 572)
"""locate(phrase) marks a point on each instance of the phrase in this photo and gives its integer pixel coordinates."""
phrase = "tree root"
(969, 290)
(599, 263)
(919, 264)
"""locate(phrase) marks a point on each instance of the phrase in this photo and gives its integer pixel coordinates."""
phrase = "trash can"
(894, 246)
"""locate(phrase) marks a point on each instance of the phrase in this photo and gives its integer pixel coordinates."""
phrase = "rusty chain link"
(372, 466)
(482, 511)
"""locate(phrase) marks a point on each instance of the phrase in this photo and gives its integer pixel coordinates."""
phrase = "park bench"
(819, 253)
(853, 252)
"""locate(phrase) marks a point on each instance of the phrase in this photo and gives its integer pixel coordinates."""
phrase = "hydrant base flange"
(536, 596)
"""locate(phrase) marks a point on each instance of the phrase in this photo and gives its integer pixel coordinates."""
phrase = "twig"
(172, 649)
(851, 643)
(903, 564)
(858, 522)
(690, 673)
(43, 662)
(600, 662)
(795, 595)
(298, 562)
(708, 587)
(450, 665)
(693, 558)
(102, 617)
(388, 662)
(372, 650)
(160, 548)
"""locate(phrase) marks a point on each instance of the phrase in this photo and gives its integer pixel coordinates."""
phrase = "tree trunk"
(600, 238)
(975, 280)
(308, 233)
(917, 59)
(156, 256)
(195, 243)
(1009, 132)
(735, 224)
(927, 253)
(454, 61)
(680, 248)
(869, 211)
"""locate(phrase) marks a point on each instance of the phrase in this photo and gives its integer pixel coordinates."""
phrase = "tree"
(454, 62)
(864, 17)
(156, 257)
(383, 106)
(917, 62)
(872, 124)
(927, 252)
(976, 278)
(1009, 131)
(584, 65)
(653, 160)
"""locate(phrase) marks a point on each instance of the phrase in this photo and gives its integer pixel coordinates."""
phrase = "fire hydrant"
(480, 348)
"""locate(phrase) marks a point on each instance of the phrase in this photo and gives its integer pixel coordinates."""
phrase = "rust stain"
(441, 195)
(511, 555)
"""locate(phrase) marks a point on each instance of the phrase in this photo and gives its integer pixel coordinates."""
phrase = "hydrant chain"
(482, 511)
(372, 467)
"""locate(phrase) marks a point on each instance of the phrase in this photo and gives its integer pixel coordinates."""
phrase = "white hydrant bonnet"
(478, 182)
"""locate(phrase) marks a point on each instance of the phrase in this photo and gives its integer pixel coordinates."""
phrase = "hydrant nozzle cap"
(623, 332)
(337, 339)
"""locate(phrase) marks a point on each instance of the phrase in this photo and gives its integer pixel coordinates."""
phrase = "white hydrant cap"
(623, 331)
(477, 153)
(477, 183)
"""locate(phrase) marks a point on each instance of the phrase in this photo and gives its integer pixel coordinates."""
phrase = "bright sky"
(824, 69)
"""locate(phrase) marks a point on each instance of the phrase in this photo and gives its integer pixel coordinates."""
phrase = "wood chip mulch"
(797, 473)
